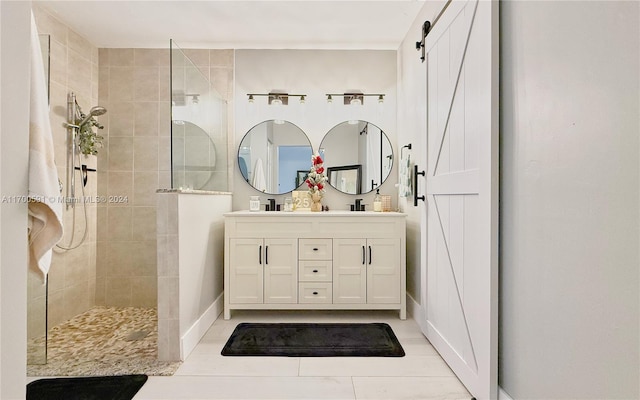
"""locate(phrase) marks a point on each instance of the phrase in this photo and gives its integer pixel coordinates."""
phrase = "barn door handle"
(260, 255)
(415, 185)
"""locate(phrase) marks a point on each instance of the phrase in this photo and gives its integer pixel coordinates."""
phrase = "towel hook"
(408, 146)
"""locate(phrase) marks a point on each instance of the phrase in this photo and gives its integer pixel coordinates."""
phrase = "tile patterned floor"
(104, 341)
(205, 374)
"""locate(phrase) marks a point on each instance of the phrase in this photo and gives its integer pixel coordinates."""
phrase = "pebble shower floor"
(104, 341)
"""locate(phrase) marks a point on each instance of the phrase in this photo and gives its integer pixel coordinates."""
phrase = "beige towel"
(45, 205)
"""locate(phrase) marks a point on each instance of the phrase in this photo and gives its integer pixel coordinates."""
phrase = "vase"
(316, 202)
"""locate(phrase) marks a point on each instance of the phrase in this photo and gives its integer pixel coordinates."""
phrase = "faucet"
(359, 205)
(272, 204)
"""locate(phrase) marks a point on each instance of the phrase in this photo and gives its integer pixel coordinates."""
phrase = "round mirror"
(274, 158)
(357, 156)
(193, 155)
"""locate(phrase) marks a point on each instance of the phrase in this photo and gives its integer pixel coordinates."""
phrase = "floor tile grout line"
(353, 387)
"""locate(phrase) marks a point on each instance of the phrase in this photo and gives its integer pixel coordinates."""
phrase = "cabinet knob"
(315, 249)
(315, 293)
(315, 271)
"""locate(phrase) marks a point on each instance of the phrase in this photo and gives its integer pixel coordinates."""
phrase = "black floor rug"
(122, 387)
(313, 340)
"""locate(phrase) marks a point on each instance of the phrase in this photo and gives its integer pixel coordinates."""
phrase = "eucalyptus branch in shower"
(89, 141)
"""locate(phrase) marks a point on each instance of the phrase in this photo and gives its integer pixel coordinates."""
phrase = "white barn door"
(461, 277)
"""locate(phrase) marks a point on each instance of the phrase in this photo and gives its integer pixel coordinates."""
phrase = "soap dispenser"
(377, 202)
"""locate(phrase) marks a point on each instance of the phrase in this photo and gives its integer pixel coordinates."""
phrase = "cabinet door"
(245, 270)
(349, 271)
(383, 271)
(280, 271)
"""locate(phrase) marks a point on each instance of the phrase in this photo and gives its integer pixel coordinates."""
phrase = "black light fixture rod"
(354, 94)
(275, 94)
(282, 96)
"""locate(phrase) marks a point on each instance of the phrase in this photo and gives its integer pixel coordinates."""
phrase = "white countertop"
(247, 213)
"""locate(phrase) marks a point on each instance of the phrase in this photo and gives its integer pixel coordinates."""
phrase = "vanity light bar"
(283, 97)
(351, 98)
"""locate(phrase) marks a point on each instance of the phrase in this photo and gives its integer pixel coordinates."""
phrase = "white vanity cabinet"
(264, 271)
(315, 260)
(365, 271)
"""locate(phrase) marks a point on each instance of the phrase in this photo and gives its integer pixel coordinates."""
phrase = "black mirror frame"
(357, 167)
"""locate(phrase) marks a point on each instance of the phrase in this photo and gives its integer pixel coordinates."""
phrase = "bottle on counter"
(377, 202)
(254, 203)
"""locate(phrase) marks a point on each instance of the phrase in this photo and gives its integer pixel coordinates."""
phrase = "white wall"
(14, 128)
(569, 200)
(201, 264)
(314, 73)
(412, 126)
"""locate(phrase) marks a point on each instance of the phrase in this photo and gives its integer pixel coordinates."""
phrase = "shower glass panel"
(199, 133)
(36, 288)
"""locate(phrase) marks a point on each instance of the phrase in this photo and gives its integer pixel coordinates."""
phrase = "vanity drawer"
(315, 249)
(315, 271)
(315, 292)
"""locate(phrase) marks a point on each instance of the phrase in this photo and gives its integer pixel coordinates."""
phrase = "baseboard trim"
(414, 309)
(192, 337)
(502, 395)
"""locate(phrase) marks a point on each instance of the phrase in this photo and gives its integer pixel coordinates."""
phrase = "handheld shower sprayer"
(94, 112)
(73, 159)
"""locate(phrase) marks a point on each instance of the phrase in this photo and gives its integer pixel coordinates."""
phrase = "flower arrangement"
(89, 141)
(316, 179)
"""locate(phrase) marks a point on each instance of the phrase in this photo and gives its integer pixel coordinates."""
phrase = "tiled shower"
(116, 265)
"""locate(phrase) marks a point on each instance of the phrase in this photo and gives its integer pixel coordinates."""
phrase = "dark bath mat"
(122, 387)
(313, 340)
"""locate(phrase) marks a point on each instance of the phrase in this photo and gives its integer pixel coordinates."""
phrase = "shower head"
(94, 112)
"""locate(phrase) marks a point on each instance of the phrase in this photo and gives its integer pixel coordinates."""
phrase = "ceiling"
(240, 24)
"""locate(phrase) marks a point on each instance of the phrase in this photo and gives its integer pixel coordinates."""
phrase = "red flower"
(320, 170)
(320, 186)
(317, 160)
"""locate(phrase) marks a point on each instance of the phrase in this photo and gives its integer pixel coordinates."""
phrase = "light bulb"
(251, 98)
(302, 99)
(381, 98)
(355, 102)
(276, 102)
(329, 99)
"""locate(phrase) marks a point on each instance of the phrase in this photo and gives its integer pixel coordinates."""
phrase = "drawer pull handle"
(315, 271)
(315, 249)
(315, 293)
